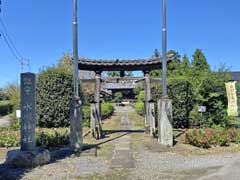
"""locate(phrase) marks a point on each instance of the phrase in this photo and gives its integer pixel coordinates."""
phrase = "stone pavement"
(122, 156)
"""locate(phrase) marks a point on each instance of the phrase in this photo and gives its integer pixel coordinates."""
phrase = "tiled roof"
(120, 65)
(235, 76)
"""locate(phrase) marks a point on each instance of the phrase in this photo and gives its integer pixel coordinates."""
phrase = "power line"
(9, 39)
(22, 61)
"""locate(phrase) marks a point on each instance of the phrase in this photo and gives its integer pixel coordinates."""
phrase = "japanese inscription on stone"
(28, 119)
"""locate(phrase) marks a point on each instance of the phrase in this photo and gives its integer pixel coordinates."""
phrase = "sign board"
(232, 98)
(202, 109)
(18, 113)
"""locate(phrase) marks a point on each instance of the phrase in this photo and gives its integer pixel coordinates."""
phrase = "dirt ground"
(150, 160)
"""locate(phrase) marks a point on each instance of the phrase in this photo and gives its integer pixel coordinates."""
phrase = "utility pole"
(76, 115)
(164, 49)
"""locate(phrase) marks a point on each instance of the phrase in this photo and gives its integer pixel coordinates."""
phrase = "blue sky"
(42, 30)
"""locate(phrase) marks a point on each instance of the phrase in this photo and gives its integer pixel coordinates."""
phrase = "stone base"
(27, 159)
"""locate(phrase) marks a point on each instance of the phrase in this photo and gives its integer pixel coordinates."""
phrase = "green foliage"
(13, 93)
(141, 96)
(113, 73)
(86, 116)
(194, 84)
(6, 107)
(139, 107)
(180, 91)
(9, 138)
(206, 138)
(44, 137)
(199, 62)
(3, 95)
(66, 62)
(54, 94)
(107, 110)
(118, 96)
(52, 137)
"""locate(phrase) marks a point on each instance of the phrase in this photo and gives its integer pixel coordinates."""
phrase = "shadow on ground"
(58, 154)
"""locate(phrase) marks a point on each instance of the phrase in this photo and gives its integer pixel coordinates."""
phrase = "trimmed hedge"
(54, 94)
(44, 137)
(6, 107)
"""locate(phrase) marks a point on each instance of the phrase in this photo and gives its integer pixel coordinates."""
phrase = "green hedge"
(107, 110)
(6, 107)
(54, 94)
(139, 107)
(44, 137)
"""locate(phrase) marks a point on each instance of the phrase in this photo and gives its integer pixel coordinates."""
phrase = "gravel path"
(175, 167)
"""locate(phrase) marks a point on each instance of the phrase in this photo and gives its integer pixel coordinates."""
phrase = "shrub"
(54, 94)
(139, 107)
(118, 96)
(212, 137)
(52, 137)
(44, 137)
(9, 138)
(86, 116)
(6, 107)
(107, 110)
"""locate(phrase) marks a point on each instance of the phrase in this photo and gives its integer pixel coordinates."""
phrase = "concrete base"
(165, 130)
(27, 159)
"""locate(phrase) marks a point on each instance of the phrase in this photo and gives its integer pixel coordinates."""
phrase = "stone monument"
(28, 156)
(165, 129)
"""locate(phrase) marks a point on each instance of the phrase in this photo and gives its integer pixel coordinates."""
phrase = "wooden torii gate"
(98, 66)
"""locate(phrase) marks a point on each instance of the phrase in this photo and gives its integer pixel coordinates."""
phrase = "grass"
(136, 120)
(122, 174)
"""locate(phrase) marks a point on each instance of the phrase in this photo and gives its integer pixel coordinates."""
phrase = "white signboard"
(18, 113)
(202, 109)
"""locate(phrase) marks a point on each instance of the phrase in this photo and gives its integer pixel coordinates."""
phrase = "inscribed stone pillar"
(147, 99)
(165, 130)
(76, 139)
(97, 93)
(28, 112)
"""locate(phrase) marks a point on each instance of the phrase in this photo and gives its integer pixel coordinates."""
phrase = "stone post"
(165, 129)
(28, 118)
(152, 118)
(76, 139)
(97, 93)
(147, 99)
(28, 156)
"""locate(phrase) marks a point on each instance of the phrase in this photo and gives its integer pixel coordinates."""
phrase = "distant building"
(235, 76)
(86, 75)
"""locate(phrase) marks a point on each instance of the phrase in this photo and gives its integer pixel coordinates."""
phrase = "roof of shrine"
(121, 65)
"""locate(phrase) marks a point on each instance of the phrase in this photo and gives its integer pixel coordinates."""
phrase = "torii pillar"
(97, 93)
(147, 100)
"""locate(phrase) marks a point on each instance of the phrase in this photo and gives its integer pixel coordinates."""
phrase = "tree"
(199, 62)
(13, 94)
(113, 74)
(118, 96)
(156, 54)
(185, 63)
(66, 62)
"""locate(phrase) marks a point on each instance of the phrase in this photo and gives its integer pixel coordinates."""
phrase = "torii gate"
(98, 66)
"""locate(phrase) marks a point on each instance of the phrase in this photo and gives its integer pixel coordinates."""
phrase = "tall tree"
(66, 62)
(199, 62)
(185, 64)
